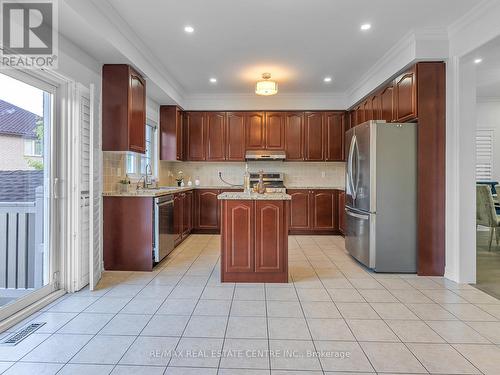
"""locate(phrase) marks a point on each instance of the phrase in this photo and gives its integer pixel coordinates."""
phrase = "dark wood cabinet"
(341, 210)
(270, 236)
(255, 137)
(239, 235)
(406, 96)
(254, 241)
(275, 130)
(300, 210)
(123, 109)
(313, 211)
(206, 211)
(294, 135)
(178, 218)
(334, 143)
(314, 136)
(171, 133)
(324, 210)
(235, 136)
(375, 106)
(367, 110)
(387, 103)
(215, 147)
(187, 213)
(195, 133)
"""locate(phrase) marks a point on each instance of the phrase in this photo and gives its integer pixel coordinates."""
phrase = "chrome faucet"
(146, 178)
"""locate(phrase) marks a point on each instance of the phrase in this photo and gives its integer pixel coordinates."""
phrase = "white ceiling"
(488, 71)
(299, 42)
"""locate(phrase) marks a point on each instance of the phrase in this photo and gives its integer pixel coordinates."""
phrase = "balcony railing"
(22, 244)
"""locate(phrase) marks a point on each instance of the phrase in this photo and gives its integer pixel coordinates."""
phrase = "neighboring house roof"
(19, 186)
(17, 121)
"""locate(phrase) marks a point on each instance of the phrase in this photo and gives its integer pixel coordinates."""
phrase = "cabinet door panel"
(406, 96)
(187, 213)
(334, 123)
(137, 113)
(314, 135)
(269, 239)
(207, 209)
(387, 104)
(275, 130)
(367, 110)
(215, 131)
(325, 214)
(195, 124)
(341, 211)
(179, 130)
(238, 236)
(375, 104)
(300, 214)
(170, 133)
(294, 136)
(178, 218)
(254, 128)
(235, 135)
(360, 115)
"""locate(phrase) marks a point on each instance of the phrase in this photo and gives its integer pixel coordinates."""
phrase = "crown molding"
(101, 15)
(471, 17)
(416, 45)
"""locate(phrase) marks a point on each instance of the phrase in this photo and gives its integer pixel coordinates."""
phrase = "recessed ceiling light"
(189, 29)
(478, 60)
(327, 79)
(213, 80)
(366, 26)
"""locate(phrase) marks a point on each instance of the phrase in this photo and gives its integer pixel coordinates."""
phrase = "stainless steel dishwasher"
(163, 237)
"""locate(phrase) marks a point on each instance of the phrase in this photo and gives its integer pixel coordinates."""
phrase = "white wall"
(488, 117)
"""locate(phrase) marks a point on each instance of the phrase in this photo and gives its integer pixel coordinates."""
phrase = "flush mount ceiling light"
(327, 79)
(366, 26)
(189, 29)
(266, 87)
(478, 61)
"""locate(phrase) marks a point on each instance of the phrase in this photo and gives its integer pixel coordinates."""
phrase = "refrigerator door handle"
(358, 216)
(349, 166)
(357, 167)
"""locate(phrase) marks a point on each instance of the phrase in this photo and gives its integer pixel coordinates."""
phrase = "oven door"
(164, 227)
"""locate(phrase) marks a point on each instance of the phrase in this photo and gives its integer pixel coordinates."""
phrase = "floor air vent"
(20, 335)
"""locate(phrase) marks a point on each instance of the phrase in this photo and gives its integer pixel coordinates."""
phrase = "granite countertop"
(316, 187)
(254, 196)
(161, 191)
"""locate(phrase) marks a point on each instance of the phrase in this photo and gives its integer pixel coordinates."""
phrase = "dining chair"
(485, 212)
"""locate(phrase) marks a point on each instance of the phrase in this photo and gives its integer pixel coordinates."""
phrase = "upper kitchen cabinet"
(405, 87)
(215, 135)
(255, 130)
(375, 106)
(367, 110)
(195, 133)
(171, 133)
(275, 130)
(294, 135)
(314, 130)
(387, 103)
(235, 136)
(123, 109)
(334, 145)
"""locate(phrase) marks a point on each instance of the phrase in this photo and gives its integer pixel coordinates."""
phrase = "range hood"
(265, 155)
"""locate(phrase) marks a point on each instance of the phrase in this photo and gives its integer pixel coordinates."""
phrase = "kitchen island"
(254, 237)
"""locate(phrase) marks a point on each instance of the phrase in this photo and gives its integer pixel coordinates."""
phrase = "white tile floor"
(333, 317)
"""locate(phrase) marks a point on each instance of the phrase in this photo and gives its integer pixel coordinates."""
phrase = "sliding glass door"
(28, 264)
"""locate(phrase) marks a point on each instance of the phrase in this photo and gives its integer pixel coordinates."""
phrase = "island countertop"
(254, 196)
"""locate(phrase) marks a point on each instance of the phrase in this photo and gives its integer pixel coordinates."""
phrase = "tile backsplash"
(114, 170)
(297, 174)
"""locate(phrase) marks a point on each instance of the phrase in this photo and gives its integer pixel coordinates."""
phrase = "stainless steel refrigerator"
(381, 195)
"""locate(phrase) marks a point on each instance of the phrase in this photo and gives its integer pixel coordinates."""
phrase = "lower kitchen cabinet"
(206, 211)
(187, 214)
(127, 233)
(342, 212)
(254, 241)
(313, 211)
(178, 218)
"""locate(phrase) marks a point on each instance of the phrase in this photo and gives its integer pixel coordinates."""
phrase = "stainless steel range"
(273, 181)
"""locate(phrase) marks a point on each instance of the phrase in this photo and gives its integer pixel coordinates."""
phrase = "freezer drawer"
(359, 236)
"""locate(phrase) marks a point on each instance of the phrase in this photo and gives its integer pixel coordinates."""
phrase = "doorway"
(28, 264)
(487, 62)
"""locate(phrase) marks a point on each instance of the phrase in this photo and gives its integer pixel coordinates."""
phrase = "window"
(33, 147)
(137, 163)
(484, 154)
